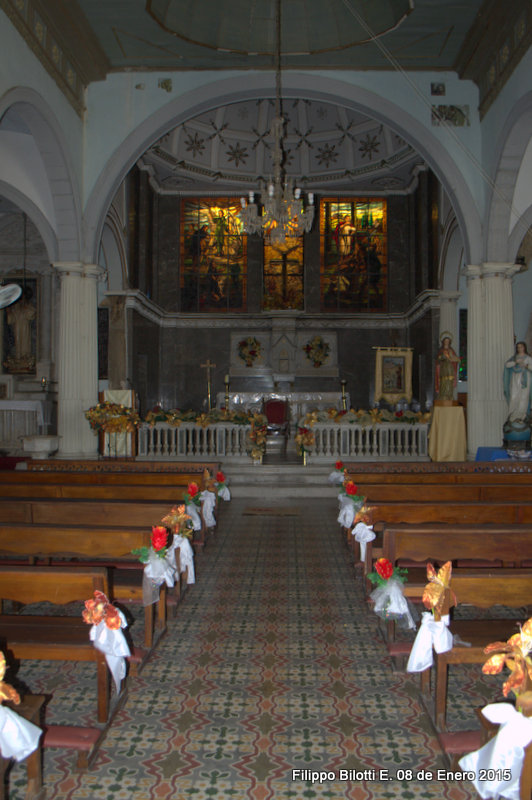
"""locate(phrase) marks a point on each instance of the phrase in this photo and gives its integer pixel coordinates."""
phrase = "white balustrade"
(394, 441)
(190, 441)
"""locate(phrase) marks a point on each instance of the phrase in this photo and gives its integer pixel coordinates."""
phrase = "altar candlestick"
(344, 398)
(226, 381)
(208, 366)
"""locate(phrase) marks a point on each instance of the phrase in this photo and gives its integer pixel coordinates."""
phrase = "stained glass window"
(213, 256)
(283, 275)
(354, 263)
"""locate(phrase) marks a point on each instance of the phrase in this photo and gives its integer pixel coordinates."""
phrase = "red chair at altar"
(277, 412)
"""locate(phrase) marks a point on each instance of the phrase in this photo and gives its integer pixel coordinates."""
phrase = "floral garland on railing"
(365, 418)
(112, 418)
(317, 350)
(257, 436)
(175, 417)
(249, 350)
(305, 440)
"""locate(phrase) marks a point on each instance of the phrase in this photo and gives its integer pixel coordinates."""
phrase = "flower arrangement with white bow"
(158, 568)
(106, 633)
(496, 768)
(433, 633)
(388, 598)
(18, 736)
(221, 487)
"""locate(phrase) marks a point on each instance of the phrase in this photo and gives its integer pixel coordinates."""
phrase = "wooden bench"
(444, 493)
(110, 547)
(63, 638)
(471, 473)
(511, 588)
(92, 513)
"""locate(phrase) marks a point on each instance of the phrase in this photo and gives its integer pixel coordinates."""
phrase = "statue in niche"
(20, 317)
(446, 371)
(518, 385)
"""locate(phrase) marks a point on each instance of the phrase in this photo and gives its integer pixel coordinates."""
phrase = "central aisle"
(273, 664)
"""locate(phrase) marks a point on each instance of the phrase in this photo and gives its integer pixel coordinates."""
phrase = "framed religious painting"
(353, 254)
(213, 274)
(393, 374)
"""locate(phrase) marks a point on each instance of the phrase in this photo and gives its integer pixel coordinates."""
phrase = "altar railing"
(386, 441)
(190, 441)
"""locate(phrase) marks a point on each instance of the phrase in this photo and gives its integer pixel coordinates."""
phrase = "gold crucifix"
(208, 366)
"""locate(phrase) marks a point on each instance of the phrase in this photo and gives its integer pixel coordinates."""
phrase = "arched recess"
(37, 217)
(500, 245)
(296, 85)
(113, 253)
(50, 142)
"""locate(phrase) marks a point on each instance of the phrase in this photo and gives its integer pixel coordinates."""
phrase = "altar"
(300, 402)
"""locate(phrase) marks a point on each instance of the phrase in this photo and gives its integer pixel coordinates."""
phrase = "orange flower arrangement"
(516, 655)
(6, 691)
(99, 609)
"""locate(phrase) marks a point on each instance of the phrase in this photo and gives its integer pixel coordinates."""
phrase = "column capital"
(450, 297)
(79, 268)
(68, 267)
(473, 271)
(493, 269)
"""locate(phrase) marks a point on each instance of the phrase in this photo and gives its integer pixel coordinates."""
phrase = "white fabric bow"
(192, 511)
(336, 476)
(431, 634)
(346, 516)
(112, 643)
(224, 493)
(156, 572)
(186, 554)
(363, 533)
(389, 602)
(18, 736)
(208, 501)
(503, 754)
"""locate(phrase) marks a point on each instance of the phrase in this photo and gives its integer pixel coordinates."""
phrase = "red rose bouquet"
(193, 494)
(159, 545)
(384, 570)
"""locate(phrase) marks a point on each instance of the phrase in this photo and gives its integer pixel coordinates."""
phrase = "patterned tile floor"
(273, 670)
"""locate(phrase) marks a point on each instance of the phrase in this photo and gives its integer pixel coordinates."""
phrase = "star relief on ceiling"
(327, 155)
(237, 153)
(369, 146)
(194, 143)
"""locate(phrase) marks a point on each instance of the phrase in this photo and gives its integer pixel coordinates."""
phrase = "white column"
(475, 359)
(499, 337)
(489, 344)
(78, 358)
(449, 315)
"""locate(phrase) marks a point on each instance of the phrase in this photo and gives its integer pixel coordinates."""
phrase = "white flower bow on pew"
(208, 502)
(18, 736)
(192, 511)
(503, 755)
(363, 534)
(432, 633)
(186, 555)
(106, 633)
(346, 517)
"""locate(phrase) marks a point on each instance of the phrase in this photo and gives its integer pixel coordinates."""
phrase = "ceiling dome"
(326, 147)
(248, 26)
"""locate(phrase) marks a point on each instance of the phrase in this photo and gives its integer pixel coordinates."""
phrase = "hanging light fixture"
(283, 214)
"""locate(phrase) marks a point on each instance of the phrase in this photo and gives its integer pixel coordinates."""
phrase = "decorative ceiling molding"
(494, 46)
(59, 35)
(138, 302)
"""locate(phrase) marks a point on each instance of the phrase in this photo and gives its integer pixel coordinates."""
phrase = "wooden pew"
(481, 589)
(60, 638)
(483, 546)
(491, 474)
(110, 547)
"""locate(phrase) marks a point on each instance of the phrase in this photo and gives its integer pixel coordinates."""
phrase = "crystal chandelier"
(283, 214)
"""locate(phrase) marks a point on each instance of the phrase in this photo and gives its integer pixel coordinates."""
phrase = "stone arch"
(325, 89)
(50, 142)
(37, 217)
(114, 252)
(502, 246)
